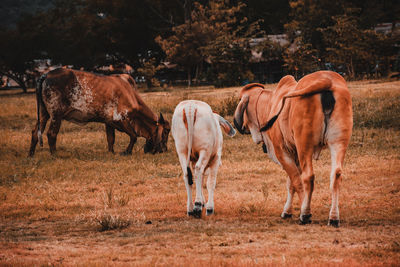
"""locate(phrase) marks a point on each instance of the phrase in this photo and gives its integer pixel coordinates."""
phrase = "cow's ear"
(226, 126)
(161, 119)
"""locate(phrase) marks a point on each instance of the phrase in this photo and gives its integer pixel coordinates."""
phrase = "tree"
(301, 58)
(359, 50)
(92, 33)
(17, 56)
(339, 32)
(308, 49)
(272, 14)
(216, 33)
(149, 70)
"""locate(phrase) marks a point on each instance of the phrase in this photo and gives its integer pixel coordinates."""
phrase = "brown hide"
(82, 97)
(297, 120)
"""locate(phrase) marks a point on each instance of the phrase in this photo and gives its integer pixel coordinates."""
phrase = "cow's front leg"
(128, 150)
(198, 173)
(110, 131)
(211, 181)
(133, 137)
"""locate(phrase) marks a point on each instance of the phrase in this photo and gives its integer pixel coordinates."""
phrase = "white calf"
(198, 139)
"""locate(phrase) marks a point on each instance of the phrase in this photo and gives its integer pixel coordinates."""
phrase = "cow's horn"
(238, 118)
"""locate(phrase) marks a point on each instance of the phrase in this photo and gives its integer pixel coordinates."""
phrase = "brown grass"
(53, 208)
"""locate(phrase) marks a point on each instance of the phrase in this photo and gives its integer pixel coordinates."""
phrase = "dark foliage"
(94, 33)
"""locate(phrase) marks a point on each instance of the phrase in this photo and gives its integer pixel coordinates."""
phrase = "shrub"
(228, 106)
(109, 221)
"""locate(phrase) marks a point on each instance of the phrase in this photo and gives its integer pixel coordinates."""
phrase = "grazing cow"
(198, 140)
(294, 123)
(82, 97)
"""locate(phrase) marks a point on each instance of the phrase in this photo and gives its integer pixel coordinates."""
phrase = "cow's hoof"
(334, 223)
(209, 211)
(197, 209)
(125, 153)
(286, 215)
(197, 213)
(305, 219)
(190, 213)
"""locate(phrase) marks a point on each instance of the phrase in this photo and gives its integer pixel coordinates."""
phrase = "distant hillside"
(12, 10)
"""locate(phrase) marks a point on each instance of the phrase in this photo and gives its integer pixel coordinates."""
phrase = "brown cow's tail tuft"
(39, 101)
(328, 102)
(269, 123)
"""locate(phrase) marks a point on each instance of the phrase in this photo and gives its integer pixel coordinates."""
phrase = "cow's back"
(82, 97)
(60, 78)
(205, 127)
(339, 114)
(308, 111)
(209, 134)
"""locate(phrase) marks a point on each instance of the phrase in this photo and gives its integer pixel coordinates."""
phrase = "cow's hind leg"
(52, 133)
(44, 116)
(186, 170)
(198, 174)
(307, 178)
(293, 184)
(287, 209)
(211, 181)
(337, 157)
(110, 131)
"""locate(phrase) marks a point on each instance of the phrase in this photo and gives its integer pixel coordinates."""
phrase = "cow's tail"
(189, 117)
(39, 102)
(318, 86)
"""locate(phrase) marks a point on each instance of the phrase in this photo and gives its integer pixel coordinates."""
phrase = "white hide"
(203, 140)
(82, 95)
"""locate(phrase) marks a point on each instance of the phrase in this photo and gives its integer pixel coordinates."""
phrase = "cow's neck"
(263, 107)
(145, 127)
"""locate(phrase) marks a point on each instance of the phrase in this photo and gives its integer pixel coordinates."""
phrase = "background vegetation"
(210, 41)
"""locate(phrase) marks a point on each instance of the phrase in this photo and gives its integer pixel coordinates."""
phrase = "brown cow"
(294, 123)
(82, 97)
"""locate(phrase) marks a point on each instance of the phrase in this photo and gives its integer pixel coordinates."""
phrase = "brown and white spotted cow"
(82, 97)
(295, 122)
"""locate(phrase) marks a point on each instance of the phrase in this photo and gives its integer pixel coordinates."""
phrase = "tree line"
(208, 40)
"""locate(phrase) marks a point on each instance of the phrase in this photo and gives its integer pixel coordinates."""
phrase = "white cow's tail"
(190, 112)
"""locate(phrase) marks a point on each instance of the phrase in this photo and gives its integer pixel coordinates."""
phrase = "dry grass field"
(85, 206)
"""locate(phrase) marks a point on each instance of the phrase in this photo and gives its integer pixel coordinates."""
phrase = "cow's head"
(157, 143)
(245, 117)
